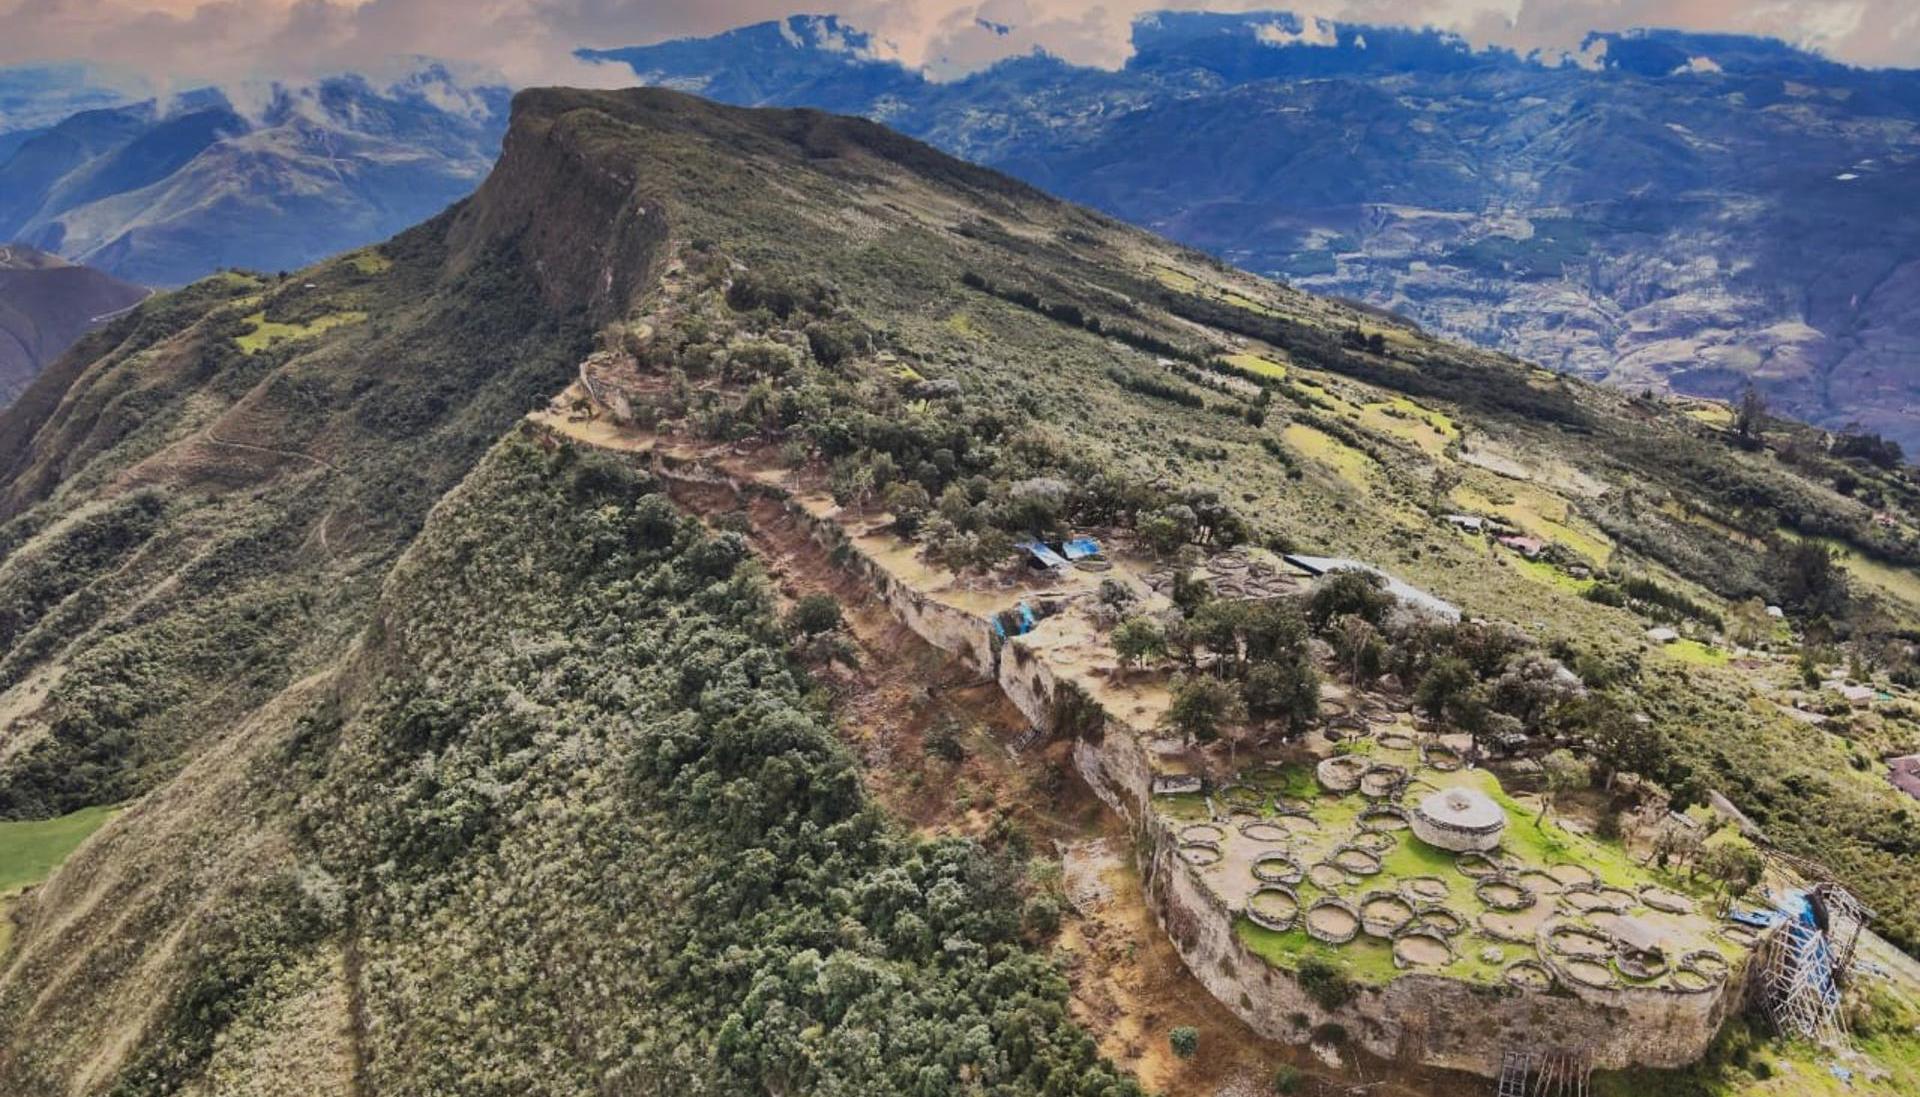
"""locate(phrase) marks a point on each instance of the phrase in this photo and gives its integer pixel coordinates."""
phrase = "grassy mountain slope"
(1694, 211)
(523, 792)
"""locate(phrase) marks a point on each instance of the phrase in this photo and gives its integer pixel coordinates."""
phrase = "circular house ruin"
(1459, 819)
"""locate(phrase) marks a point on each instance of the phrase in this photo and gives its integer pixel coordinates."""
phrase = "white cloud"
(1313, 32)
(531, 41)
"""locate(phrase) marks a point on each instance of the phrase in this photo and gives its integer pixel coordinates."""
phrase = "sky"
(176, 43)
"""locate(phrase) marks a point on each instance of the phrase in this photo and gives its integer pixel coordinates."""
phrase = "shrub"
(1286, 1079)
(1185, 1041)
(813, 615)
(1324, 982)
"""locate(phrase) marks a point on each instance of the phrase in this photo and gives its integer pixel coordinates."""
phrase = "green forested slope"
(585, 831)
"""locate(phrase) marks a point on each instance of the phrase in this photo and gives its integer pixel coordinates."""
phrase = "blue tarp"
(1045, 556)
(1803, 924)
(1023, 621)
(1758, 919)
(1080, 548)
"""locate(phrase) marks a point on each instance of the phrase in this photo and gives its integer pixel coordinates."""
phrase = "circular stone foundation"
(1385, 817)
(1356, 861)
(1459, 819)
(1592, 973)
(1528, 975)
(1440, 920)
(1439, 757)
(1265, 831)
(1504, 927)
(1705, 964)
(1200, 854)
(1420, 948)
(1373, 841)
(1669, 902)
(1740, 935)
(1327, 876)
(1383, 913)
(1426, 889)
(1273, 907)
(1394, 739)
(1475, 865)
(1579, 942)
(1332, 920)
(1203, 832)
(1277, 868)
(1382, 780)
(1572, 875)
(1502, 892)
(1588, 899)
(1689, 981)
(1542, 882)
(1341, 773)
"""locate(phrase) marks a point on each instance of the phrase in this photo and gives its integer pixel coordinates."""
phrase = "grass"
(1255, 364)
(1543, 572)
(266, 332)
(30, 850)
(370, 262)
(1352, 465)
(1696, 653)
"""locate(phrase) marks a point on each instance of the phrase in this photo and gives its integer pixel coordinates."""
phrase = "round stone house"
(1459, 819)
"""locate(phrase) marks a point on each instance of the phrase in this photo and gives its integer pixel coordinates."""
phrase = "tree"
(1185, 1041)
(1201, 704)
(1447, 679)
(1563, 770)
(1284, 688)
(1807, 577)
(813, 615)
(1363, 654)
(1733, 862)
(1138, 641)
(1750, 416)
(1217, 627)
(1621, 741)
(1359, 593)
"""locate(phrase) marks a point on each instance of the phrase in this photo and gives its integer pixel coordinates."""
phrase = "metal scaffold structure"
(1806, 960)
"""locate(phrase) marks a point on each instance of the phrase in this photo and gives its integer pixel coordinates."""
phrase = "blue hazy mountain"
(1662, 209)
(164, 192)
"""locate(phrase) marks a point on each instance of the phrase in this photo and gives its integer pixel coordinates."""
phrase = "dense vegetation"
(717, 909)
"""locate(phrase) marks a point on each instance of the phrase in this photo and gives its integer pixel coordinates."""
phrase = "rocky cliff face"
(1689, 211)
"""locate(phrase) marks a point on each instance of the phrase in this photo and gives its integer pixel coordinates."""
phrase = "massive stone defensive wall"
(1416, 1018)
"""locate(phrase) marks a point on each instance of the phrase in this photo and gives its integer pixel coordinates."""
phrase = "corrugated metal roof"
(1404, 591)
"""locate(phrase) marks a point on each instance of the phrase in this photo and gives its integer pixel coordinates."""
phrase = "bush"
(1324, 982)
(813, 615)
(1185, 1041)
(1287, 1079)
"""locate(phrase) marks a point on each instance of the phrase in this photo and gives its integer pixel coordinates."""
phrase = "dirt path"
(304, 456)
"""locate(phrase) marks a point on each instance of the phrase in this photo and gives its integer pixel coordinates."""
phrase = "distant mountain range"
(45, 304)
(1663, 209)
(165, 192)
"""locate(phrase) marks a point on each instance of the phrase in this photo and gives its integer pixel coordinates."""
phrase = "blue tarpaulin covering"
(1043, 555)
(1080, 548)
(1019, 617)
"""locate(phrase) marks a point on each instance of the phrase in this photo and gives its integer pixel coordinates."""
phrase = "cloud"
(531, 41)
(1312, 32)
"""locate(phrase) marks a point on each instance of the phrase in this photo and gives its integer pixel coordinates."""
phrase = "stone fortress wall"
(1416, 1018)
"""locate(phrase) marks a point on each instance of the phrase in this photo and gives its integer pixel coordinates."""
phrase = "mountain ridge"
(1642, 223)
